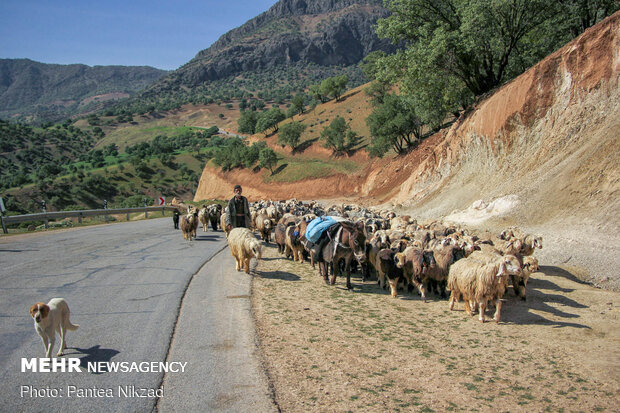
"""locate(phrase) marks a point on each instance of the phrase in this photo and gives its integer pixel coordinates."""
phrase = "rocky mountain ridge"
(322, 32)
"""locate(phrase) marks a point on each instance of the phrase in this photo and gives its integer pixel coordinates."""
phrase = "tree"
(334, 86)
(267, 158)
(290, 134)
(393, 124)
(299, 103)
(269, 120)
(317, 93)
(339, 137)
(458, 50)
(247, 121)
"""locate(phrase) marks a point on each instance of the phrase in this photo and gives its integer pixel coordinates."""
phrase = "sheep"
(529, 265)
(436, 277)
(203, 216)
(292, 239)
(223, 223)
(264, 225)
(481, 279)
(529, 244)
(189, 223)
(379, 241)
(385, 264)
(414, 263)
(243, 247)
(280, 237)
(215, 213)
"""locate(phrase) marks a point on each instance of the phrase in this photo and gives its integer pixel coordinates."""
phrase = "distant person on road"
(238, 210)
(175, 218)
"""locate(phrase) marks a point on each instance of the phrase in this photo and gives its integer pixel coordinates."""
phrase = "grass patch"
(299, 168)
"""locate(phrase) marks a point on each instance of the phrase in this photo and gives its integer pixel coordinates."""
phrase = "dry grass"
(328, 349)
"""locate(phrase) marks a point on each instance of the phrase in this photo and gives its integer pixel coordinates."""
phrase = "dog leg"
(63, 344)
(45, 344)
(50, 344)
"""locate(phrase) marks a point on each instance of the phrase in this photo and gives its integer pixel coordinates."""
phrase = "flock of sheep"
(429, 257)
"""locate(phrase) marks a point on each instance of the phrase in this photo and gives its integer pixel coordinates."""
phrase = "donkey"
(347, 241)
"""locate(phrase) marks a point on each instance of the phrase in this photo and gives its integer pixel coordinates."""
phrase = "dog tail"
(71, 327)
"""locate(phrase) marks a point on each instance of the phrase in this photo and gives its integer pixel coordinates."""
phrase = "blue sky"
(161, 33)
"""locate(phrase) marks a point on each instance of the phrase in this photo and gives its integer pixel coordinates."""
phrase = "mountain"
(40, 92)
(326, 33)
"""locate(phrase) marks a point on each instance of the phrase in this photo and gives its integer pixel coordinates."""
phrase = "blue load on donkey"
(317, 227)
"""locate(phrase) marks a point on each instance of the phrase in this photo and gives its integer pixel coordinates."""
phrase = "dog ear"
(44, 309)
(34, 308)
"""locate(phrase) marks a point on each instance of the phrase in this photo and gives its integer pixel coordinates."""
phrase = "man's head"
(237, 190)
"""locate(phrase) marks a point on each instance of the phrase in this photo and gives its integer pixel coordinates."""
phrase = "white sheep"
(244, 246)
(203, 217)
(481, 279)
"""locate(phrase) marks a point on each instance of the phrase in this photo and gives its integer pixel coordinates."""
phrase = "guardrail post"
(128, 216)
(47, 223)
(80, 217)
(3, 224)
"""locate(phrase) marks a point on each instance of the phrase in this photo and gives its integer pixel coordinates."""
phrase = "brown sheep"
(293, 242)
(437, 277)
(189, 223)
(481, 279)
(415, 263)
(244, 246)
(280, 237)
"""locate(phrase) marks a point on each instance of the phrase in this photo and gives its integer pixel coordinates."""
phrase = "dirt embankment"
(548, 141)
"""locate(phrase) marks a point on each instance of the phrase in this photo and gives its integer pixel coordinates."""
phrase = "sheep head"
(399, 259)
(509, 266)
(256, 248)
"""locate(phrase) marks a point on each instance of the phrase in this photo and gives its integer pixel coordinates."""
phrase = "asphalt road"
(124, 284)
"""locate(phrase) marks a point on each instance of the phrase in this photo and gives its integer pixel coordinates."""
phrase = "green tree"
(290, 134)
(317, 93)
(458, 50)
(267, 158)
(247, 121)
(299, 103)
(334, 86)
(393, 124)
(339, 137)
(268, 121)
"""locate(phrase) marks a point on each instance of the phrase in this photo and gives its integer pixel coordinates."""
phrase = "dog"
(50, 318)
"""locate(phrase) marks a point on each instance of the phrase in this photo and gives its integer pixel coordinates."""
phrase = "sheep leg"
(468, 308)
(246, 265)
(453, 299)
(393, 286)
(498, 308)
(482, 306)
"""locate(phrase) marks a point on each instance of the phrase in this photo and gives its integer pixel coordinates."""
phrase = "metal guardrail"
(47, 216)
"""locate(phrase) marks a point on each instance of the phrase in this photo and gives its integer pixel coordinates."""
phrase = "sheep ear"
(502, 269)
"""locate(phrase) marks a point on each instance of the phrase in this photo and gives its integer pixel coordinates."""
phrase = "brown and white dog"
(50, 318)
